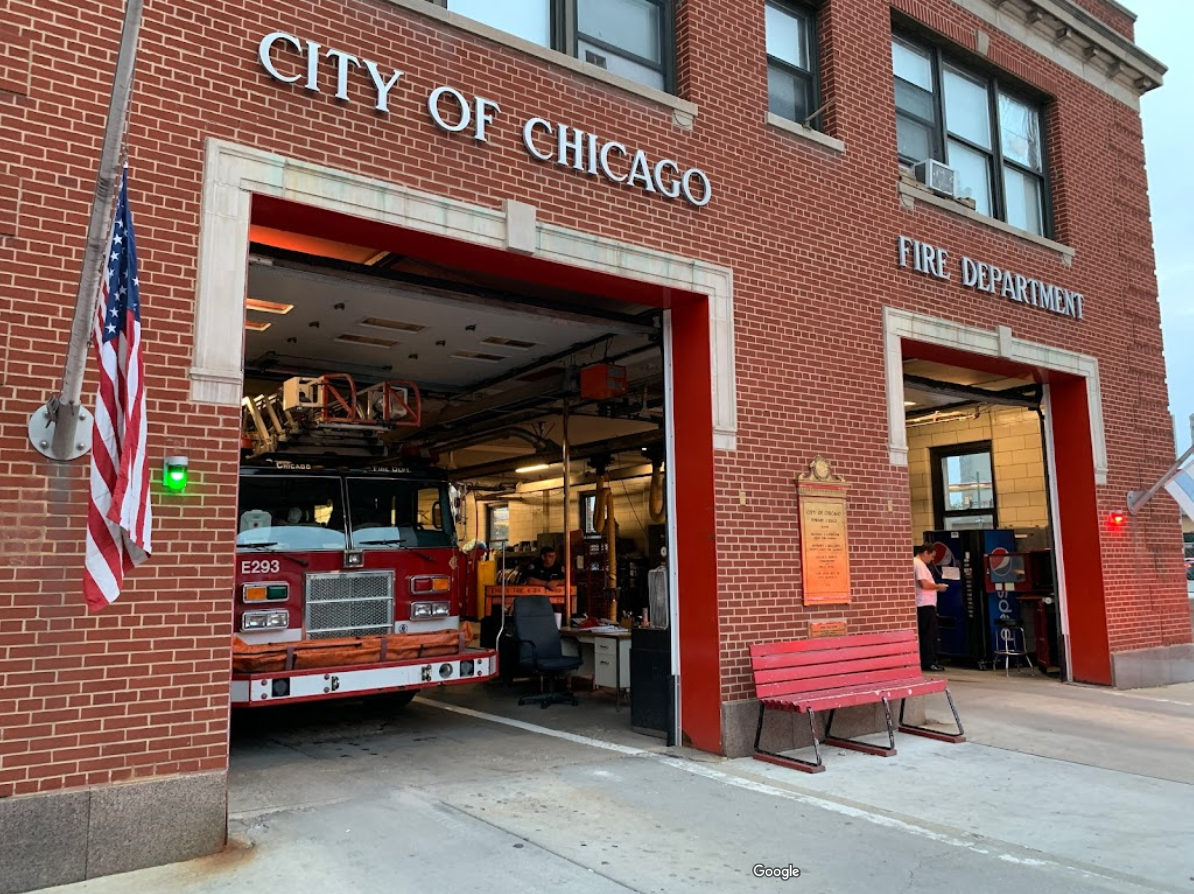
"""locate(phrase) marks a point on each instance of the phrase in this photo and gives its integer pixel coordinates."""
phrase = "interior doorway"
(981, 495)
(499, 360)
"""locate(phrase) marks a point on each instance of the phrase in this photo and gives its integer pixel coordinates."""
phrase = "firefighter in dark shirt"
(544, 571)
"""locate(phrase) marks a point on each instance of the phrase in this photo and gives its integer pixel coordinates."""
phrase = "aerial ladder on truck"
(327, 415)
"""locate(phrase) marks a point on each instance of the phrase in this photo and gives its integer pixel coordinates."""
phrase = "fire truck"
(349, 577)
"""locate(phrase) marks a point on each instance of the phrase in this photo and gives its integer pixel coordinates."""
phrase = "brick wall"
(1112, 14)
(1019, 467)
(140, 690)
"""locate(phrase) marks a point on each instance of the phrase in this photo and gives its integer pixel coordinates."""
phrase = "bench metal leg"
(773, 757)
(856, 744)
(959, 736)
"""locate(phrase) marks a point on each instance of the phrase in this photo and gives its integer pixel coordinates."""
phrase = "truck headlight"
(272, 620)
(430, 610)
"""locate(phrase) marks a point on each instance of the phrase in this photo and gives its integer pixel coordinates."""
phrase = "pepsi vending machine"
(967, 612)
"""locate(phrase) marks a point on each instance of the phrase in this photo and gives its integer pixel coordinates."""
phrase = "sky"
(1162, 30)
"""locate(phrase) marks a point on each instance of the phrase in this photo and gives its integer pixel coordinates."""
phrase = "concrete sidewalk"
(1061, 789)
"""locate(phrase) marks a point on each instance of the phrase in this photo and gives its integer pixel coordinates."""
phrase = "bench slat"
(896, 690)
(834, 667)
(811, 645)
(819, 699)
(866, 679)
(804, 659)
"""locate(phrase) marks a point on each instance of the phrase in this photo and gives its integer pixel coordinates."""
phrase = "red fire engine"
(349, 577)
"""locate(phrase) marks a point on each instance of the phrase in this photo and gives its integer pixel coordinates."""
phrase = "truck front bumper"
(255, 690)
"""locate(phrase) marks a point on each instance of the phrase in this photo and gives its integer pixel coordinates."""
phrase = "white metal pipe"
(569, 608)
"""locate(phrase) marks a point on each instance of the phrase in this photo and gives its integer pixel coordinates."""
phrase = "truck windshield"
(290, 514)
(390, 513)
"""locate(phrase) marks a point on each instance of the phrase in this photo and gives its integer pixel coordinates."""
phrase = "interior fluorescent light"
(268, 307)
(256, 325)
(512, 343)
(381, 323)
(910, 403)
(366, 340)
(535, 468)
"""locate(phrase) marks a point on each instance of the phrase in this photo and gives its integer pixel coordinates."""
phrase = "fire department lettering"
(932, 261)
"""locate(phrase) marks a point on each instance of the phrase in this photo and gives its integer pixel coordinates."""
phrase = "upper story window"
(791, 61)
(631, 38)
(991, 137)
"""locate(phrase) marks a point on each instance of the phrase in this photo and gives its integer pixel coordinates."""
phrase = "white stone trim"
(813, 136)
(1112, 69)
(901, 324)
(911, 193)
(233, 174)
(683, 112)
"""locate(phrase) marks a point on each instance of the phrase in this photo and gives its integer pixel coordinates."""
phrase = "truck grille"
(355, 604)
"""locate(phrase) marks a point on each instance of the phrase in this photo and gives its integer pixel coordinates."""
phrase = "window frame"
(940, 135)
(937, 455)
(565, 37)
(490, 508)
(808, 14)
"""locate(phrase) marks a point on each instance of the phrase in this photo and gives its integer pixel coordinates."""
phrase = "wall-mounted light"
(1118, 518)
(174, 473)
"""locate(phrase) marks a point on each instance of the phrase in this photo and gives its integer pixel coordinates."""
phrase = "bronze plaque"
(824, 544)
(819, 629)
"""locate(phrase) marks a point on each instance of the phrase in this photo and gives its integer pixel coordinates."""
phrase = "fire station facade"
(825, 197)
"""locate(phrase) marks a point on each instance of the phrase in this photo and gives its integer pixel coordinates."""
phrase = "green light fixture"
(174, 473)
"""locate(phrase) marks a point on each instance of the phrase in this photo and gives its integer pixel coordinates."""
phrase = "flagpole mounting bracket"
(44, 423)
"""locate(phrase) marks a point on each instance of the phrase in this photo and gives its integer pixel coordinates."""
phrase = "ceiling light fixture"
(512, 343)
(257, 325)
(539, 467)
(381, 323)
(365, 340)
(268, 307)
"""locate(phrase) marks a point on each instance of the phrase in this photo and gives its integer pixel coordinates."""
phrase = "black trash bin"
(651, 684)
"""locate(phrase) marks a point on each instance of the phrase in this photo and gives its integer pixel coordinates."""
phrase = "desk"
(605, 656)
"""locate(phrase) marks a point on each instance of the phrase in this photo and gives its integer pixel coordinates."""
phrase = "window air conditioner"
(937, 177)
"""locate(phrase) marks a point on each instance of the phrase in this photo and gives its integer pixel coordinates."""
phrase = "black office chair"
(539, 651)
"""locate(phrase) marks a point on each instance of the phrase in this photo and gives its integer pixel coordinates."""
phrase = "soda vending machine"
(969, 609)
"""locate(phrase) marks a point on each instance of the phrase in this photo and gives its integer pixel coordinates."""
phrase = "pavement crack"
(559, 855)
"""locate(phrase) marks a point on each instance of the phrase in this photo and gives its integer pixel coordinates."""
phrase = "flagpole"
(1136, 499)
(54, 429)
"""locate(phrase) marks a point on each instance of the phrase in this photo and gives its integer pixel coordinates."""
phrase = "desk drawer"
(603, 645)
(605, 671)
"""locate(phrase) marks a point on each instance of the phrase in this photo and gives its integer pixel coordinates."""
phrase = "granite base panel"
(1145, 668)
(62, 837)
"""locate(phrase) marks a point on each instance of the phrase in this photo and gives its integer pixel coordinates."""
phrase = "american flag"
(118, 516)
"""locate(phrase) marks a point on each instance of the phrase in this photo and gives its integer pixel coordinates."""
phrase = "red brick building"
(752, 168)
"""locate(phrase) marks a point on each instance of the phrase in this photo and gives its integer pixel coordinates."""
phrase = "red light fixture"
(1118, 518)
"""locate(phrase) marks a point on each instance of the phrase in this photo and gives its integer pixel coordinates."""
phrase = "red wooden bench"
(826, 674)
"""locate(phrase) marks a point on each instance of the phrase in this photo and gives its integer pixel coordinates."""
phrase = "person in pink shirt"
(927, 589)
